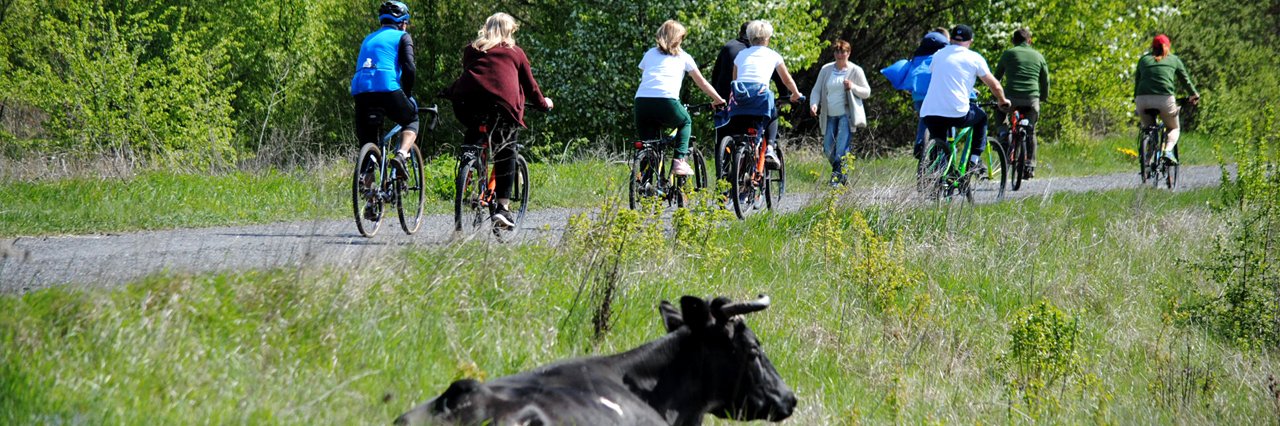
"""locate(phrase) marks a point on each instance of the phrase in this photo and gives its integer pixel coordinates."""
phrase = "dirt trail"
(31, 263)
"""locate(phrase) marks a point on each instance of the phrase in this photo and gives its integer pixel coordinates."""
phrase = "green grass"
(338, 347)
(163, 200)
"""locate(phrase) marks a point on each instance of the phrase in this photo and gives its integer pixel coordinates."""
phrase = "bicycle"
(1016, 142)
(377, 182)
(475, 195)
(1151, 165)
(943, 168)
(751, 181)
(650, 176)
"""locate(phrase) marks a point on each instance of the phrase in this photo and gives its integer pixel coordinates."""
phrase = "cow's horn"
(745, 307)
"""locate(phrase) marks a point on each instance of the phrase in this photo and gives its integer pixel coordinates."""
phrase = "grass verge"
(881, 315)
(163, 200)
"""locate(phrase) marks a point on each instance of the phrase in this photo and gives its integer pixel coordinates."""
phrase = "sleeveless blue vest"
(377, 67)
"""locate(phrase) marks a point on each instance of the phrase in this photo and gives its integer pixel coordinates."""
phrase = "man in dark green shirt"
(1025, 76)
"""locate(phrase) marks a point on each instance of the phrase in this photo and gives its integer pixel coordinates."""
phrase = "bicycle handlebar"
(434, 110)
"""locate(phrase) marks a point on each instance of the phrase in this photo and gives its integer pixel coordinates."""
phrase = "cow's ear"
(696, 313)
(670, 316)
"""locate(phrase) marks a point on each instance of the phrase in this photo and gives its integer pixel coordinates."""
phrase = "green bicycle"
(943, 170)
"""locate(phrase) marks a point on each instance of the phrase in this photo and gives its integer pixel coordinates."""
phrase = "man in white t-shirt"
(955, 69)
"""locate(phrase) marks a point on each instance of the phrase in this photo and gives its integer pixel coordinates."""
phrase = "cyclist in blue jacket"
(383, 80)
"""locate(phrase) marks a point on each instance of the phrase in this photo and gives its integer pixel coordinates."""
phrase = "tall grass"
(317, 345)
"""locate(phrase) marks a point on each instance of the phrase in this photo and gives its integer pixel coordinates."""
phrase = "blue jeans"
(836, 142)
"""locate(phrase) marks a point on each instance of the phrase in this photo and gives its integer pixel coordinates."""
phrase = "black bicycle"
(475, 196)
(1016, 141)
(1152, 166)
(379, 180)
(754, 183)
(650, 176)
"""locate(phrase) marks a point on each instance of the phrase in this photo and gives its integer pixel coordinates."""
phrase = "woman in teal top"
(1154, 87)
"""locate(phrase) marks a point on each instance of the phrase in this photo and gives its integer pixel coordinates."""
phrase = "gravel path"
(31, 263)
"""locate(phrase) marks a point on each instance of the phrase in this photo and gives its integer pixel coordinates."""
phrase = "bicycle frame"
(484, 152)
(959, 163)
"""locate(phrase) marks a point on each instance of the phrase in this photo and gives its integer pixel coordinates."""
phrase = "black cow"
(708, 362)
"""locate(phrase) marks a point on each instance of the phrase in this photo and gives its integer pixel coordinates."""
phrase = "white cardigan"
(853, 98)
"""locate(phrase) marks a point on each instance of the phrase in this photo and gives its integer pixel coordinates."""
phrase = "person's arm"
(790, 84)
(722, 72)
(706, 87)
(1137, 78)
(1185, 76)
(859, 85)
(996, 90)
(782, 87)
(408, 68)
(815, 95)
(1044, 80)
(528, 83)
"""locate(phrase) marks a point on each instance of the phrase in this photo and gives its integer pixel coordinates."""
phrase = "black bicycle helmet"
(393, 11)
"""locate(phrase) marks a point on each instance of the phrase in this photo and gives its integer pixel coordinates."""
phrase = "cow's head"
(739, 379)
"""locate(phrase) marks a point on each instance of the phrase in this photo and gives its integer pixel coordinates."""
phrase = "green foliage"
(873, 265)
(1245, 271)
(1243, 268)
(1043, 350)
(439, 176)
(204, 84)
(96, 71)
(697, 226)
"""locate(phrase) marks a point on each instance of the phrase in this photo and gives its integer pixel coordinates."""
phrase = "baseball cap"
(962, 32)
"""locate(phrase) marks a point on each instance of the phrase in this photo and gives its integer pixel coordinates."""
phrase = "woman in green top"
(1154, 88)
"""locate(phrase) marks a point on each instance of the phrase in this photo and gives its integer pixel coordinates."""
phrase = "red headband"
(1161, 39)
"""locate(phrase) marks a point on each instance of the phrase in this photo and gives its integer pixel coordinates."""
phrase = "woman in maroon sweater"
(496, 75)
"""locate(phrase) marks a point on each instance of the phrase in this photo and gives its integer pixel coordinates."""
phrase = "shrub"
(1043, 351)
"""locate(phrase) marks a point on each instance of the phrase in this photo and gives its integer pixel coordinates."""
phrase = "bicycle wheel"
(366, 181)
(931, 169)
(1171, 173)
(997, 176)
(470, 210)
(723, 155)
(1146, 155)
(643, 180)
(1017, 159)
(410, 198)
(699, 164)
(775, 181)
(745, 186)
(519, 193)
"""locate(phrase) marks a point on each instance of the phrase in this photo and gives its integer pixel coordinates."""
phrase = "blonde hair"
(670, 34)
(759, 31)
(497, 29)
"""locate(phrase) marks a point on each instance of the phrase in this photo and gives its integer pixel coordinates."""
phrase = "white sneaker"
(771, 158)
(681, 168)
(402, 154)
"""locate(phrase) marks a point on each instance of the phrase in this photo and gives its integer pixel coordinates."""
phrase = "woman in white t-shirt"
(838, 92)
(752, 69)
(657, 103)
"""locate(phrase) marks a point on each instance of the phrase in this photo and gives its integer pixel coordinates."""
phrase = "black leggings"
(477, 113)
